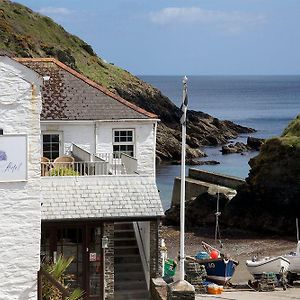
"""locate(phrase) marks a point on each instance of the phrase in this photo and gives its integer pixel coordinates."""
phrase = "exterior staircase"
(130, 283)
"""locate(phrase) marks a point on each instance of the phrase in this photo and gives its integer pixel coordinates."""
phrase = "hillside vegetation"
(24, 33)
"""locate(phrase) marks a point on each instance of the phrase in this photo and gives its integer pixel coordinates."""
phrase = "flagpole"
(182, 190)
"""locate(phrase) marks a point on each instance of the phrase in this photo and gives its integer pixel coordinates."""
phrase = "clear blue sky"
(170, 37)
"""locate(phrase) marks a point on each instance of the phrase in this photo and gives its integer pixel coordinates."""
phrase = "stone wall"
(199, 182)
(20, 216)
(155, 249)
(216, 178)
(108, 231)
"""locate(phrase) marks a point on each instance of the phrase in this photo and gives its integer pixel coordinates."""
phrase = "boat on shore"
(219, 270)
(219, 267)
(294, 258)
(276, 265)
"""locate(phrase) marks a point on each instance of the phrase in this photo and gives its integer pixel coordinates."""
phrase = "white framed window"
(123, 142)
(51, 142)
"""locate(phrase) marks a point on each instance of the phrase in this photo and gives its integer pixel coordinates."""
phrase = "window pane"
(117, 139)
(129, 133)
(46, 138)
(51, 145)
(55, 138)
(46, 147)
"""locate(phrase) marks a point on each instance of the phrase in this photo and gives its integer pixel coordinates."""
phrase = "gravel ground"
(293, 293)
(239, 244)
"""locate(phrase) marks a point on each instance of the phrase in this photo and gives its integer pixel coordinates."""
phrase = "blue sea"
(265, 103)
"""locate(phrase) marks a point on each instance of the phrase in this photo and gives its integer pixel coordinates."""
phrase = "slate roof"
(97, 197)
(69, 95)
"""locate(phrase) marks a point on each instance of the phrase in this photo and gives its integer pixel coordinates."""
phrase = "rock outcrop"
(270, 200)
(253, 144)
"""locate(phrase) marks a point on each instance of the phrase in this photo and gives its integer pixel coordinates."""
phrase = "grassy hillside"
(28, 34)
(25, 33)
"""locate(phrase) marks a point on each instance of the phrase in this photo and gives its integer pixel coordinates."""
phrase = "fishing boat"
(294, 258)
(276, 265)
(219, 268)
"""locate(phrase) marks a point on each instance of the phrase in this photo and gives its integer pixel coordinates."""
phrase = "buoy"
(214, 254)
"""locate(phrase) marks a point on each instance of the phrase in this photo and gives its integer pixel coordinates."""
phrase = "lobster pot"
(195, 275)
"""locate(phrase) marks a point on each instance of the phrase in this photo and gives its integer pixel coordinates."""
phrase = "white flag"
(184, 104)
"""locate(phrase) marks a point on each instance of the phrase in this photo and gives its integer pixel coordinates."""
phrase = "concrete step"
(126, 258)
(124, 233)
(129, 275)
(129, 267)
(130, 285)
(125, 242)
(131, 295)
(122, 250)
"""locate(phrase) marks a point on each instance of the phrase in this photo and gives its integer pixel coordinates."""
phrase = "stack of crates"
(267, 282)
(196, 275)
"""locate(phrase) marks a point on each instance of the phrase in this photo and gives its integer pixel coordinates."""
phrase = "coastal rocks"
(202, 130)
(196, 162)
(235, 148)
(272, 190)
(169, 145)
(253, 144)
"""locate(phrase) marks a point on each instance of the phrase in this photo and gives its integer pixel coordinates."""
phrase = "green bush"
(63, 171)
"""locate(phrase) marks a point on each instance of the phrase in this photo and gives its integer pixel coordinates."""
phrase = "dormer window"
(123, 142)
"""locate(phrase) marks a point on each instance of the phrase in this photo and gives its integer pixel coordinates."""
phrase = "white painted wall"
(20, 207)
(144, 142)
(84, 136)
(80, 134)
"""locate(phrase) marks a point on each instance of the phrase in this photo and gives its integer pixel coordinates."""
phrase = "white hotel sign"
(13, 158)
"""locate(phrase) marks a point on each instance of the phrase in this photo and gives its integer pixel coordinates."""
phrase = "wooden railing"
(64, 292)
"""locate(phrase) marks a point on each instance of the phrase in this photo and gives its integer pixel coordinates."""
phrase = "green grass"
(28, 34)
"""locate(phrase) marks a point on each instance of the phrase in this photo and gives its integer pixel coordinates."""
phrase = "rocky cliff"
(270, 201)
(24, 33)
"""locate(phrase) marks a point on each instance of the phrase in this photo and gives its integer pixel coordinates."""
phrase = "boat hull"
(219, 270)
(294, 262)
(273, 264)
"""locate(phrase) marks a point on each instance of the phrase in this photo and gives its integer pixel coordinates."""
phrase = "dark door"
(83, 243)
(94, 263)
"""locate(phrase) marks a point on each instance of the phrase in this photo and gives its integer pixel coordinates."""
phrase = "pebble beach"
(239, 245)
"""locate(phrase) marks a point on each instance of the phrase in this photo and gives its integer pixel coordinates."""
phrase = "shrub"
(58, 271)
(63, 171)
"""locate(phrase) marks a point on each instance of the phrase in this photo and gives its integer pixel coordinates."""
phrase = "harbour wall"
(199, 182)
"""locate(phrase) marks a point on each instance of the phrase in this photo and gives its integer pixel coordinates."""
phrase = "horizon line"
(215, 75)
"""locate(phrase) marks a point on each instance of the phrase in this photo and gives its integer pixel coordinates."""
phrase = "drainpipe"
(154, 136)
(95, 139)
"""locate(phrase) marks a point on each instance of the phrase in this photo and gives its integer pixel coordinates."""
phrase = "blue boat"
(219, 270)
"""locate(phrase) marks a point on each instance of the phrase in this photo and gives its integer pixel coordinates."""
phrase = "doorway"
(83, 243)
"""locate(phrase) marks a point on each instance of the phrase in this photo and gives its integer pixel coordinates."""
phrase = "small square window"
(123, 143)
